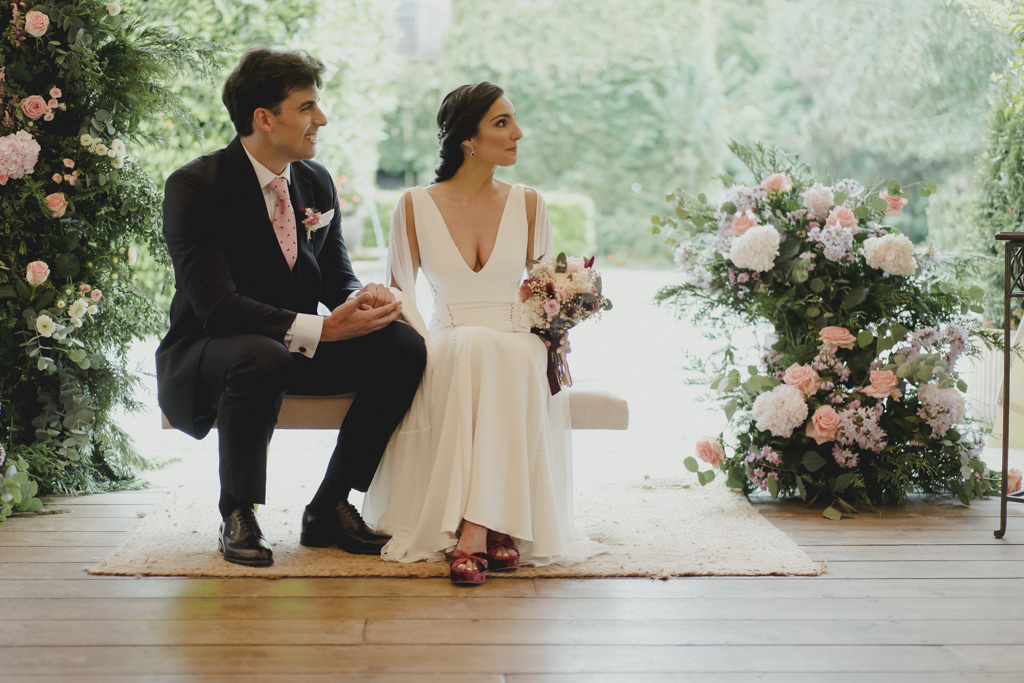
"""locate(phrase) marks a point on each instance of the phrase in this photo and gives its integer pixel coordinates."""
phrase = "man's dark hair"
(263, 79)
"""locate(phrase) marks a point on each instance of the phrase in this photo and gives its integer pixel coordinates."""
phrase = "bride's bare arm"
(410, 231)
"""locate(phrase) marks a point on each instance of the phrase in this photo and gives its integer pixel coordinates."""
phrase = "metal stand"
(1014, 288)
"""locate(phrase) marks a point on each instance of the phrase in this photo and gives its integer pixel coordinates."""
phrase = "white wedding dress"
(484, 439)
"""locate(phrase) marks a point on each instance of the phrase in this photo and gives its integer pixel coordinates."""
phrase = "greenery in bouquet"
(79, 82)
(858, 401)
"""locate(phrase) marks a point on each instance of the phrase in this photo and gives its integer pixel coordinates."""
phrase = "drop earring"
(472, 151)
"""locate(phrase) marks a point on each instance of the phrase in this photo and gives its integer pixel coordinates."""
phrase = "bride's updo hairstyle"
(458, 120)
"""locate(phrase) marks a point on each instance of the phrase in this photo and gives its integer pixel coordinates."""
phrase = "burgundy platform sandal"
(468, 577)
(501, 564)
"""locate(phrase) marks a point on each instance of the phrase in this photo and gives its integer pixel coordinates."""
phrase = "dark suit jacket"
(230, 275)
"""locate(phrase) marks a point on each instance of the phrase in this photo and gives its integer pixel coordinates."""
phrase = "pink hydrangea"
(19, 153)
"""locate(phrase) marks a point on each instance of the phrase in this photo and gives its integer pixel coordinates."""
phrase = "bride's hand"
(563, 344)
(381, 296)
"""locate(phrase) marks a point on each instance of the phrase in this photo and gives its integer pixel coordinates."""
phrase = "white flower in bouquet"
(818, 199)
(756, 249)
(45, 326)
(893, 254)
(780, 410)
(78, 309)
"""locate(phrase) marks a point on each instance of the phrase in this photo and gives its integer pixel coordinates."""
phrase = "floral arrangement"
(858, 400)
(558, 294)
(78, 81)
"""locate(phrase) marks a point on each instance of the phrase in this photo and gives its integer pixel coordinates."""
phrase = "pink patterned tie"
(284, 221)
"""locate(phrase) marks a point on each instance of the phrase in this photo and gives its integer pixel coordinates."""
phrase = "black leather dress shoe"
(241, 540)
(345, 529)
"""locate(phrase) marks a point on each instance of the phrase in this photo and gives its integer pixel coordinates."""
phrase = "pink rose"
(71, 179)
(55, 92)
(836, 338)
(4, 178)
(95, 295)
(843, 216)
(83, 289)
(56, 177)
(34, 106)
(777, 182)
(710, 452)
(36, 23)
(524, 293)
(52, 103)
(48, 116)
(741, 224)
(68, 163)
(57, 203)
(551, 307)
(895, 204)
(1013, 481)
(824, 425)
(803, 377)
(37, 273)
(883, 384)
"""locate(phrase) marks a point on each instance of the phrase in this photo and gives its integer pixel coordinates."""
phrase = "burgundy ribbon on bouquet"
(557, 368)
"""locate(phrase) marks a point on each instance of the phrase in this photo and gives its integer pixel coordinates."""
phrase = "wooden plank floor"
(920, 594)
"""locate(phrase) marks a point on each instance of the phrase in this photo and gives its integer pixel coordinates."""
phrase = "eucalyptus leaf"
(812, 461)
(831, 513)
(690, 463)
(773, 487)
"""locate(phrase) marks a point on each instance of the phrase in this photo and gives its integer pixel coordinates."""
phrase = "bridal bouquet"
(558, 294)
(858, 400)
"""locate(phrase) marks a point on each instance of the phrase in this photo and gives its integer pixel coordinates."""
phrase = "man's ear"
(263, 120)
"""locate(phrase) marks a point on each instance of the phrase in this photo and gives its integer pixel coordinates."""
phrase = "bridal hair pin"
(441, 133)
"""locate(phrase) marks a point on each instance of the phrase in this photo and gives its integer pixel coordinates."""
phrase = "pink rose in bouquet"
(833, 338)
(803, 377)
(883, 384)
(95, 295)
(57, 203)
(841, 216)
(36, 273)
(741, 224)
(824, 425)
(710, 452)
(36, 23)
(1013, 481)
(777, 182)
(34, 107)
(895, 204)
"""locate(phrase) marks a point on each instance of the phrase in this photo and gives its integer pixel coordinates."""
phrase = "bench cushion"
(590, 409)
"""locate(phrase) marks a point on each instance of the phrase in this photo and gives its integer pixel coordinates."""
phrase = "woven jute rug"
(653, 527)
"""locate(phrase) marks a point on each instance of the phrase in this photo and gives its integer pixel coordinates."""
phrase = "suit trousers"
(243, 379)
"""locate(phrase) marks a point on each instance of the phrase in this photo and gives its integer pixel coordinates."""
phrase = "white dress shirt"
(304, 334)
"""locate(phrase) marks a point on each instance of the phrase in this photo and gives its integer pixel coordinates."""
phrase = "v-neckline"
(451, 240)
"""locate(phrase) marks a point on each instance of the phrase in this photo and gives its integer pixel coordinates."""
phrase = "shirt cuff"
(304, 334)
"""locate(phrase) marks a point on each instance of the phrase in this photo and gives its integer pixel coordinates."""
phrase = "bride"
(481, 466)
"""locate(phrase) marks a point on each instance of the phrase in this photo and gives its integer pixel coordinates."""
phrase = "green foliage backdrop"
(79, 79)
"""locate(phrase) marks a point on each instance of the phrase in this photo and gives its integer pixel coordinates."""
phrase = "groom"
(254, 232)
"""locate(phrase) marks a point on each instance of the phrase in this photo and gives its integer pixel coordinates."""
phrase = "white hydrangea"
(780, 410)
(819, 200)
(893, 254)
(756, 249)
(949, 398)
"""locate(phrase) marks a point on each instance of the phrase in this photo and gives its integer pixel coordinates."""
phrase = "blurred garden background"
(622, 103)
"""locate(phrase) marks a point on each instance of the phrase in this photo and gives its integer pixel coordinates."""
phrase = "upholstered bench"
(589, 409)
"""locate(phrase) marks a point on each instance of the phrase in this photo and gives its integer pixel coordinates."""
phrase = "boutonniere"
(314, 220)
